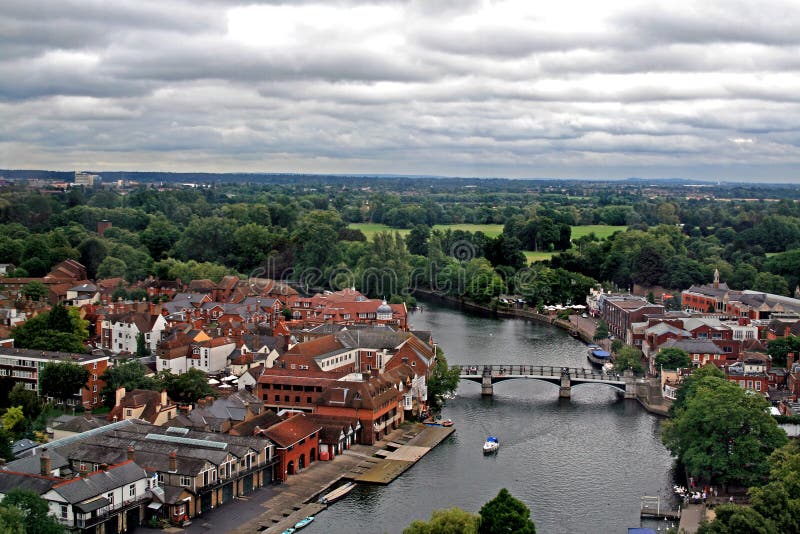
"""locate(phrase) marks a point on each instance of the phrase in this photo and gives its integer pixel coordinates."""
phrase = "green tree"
(505, 514)
(601, 332)
(732, 519)
(6, 452)
(159, 236)
(141, 345)
(722, 433)
(62, 380)
(13, 417)
(12, 520)
(628, 357)
(771, 283)
(27, 399)
(187, 387)
(34, 509)
(781, 347)
(111, 267)
(93, 251)
(443, 380)
(66, 332)
(451, 521)
(316, 237)
(417, 239)
(35, 291)
(673, 358)
(130, 374)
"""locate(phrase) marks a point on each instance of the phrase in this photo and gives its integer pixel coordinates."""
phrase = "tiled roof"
(292, 430)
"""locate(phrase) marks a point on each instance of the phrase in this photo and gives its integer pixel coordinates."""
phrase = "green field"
(531, 256)
(602, 231)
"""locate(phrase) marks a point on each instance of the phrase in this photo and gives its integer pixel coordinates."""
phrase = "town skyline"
(472, 89)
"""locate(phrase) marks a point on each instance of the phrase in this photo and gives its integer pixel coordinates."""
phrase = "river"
(579, 464)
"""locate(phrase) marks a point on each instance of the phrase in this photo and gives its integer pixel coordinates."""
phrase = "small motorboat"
(491, 445)
(447, 422)
(289, 530)
(303, 522)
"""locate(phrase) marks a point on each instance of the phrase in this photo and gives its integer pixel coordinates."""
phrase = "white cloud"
(507, 87)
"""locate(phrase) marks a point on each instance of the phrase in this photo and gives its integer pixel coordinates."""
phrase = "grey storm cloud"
(479, 87)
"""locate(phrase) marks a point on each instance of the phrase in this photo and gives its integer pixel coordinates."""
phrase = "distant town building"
(85, 179)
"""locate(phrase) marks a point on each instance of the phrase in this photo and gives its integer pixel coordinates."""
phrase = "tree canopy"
(722, 433)
(187, 387)
(628, 357)
(505, 514)
(673, 358)
(62, 380)
(34, 510)
(130, 374)
(443, 379)
(451, 521)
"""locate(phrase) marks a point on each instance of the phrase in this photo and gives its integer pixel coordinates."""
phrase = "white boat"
(338, 493)
(491, 445)
(303, 522)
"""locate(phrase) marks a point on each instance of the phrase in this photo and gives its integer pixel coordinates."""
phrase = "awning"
(91, 506)
(154, 505)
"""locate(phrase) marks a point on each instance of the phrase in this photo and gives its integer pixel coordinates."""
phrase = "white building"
(119, 332)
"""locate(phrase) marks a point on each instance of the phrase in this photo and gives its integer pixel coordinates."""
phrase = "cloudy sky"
(707, 90)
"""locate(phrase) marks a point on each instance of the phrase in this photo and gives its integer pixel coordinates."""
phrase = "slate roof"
(100, 482)
(82, 424)
(33, 464)
(10, 480)
(262, 421)
(693, 346)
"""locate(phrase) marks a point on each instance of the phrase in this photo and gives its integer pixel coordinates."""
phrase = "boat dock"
(390, 464)
(298, 497)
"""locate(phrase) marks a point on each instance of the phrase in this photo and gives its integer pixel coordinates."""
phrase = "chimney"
(173, 462)
(131, 453)
(201, 403)
(120, 393)
(257, 430)
(45, 464)
(163, 397)
(83, 472)
(104, 467)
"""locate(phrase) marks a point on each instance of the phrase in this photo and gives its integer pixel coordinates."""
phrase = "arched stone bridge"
(564, 377)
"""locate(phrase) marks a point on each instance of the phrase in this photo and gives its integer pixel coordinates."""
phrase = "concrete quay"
(297, 497)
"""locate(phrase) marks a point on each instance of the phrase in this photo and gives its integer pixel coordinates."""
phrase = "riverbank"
(297, 497)
(649, 397)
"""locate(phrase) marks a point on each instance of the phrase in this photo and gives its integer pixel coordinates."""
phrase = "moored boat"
(599, 356)
(491, 445)
(303, 522)
(338, 493)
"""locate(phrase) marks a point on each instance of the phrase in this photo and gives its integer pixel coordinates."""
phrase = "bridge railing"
(538, 370)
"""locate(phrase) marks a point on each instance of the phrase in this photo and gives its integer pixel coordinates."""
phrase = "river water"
(579, 464)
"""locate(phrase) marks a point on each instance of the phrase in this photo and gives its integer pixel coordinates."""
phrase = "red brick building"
(297, 444)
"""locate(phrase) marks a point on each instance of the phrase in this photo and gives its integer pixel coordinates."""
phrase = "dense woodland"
(296, 227)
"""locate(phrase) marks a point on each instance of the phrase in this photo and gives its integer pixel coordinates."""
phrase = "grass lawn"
(602, 231)
(531, 256)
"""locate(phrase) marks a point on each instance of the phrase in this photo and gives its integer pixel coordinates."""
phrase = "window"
(94, 388)
(308, 400)
(64, 511)
(161, 478)
(110, 497)
(186, 481)
(94, 377)
(758, 385)
(286, 398)
(94, 366)
(129, 412)
(297, 398)
(132, 490)
(277, 398)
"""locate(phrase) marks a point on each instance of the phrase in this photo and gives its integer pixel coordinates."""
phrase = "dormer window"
(357, 396)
